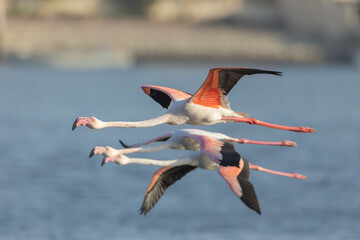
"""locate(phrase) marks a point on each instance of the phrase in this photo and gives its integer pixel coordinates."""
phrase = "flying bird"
(232, 168)
(208, 106)
(182, 139)
(214, 154)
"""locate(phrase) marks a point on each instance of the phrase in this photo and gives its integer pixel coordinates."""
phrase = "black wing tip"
(249, 195)
(142, 211)
(123, 144)
(163, 104)
(153, 196)
(253, 205)
(160, 97)
(250, 71)
(145, 209)
(277, 73)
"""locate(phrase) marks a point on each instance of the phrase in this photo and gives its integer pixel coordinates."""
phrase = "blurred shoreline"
(104, 42)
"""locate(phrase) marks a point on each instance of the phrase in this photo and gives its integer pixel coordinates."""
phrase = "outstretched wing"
(237, 178)
(214, 148)
(161, 180)
(164, 95)
(161, 138)
(219, 83)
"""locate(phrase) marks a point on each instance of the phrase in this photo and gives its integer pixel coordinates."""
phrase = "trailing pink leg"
(287, 143)
(292, 175)
(270, 125)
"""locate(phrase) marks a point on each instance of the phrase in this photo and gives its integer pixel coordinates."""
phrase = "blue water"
(49, 189)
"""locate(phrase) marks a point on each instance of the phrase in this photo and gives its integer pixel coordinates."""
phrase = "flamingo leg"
(270, 125)
(287, 143)
(292, 175)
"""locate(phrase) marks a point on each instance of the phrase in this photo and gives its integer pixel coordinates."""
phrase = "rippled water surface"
(49, 189)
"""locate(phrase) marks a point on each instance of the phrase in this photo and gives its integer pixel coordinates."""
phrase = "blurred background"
(126, 31)
(61, 59)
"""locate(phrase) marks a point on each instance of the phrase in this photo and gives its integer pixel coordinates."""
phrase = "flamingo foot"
(289, 143)
(299, 176)
(285, 174)
(305, 130)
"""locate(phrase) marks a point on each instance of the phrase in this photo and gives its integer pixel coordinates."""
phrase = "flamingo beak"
(92, 153)
(75, 124)
(83, 121)
(104, 161)
(107, 159)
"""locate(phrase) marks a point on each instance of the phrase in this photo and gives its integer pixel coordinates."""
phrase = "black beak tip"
(91, 153)
(74, 125)
(103, 162)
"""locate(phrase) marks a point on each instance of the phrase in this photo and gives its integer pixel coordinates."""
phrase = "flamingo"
(219, 156)
(217, 152)
(208, 106)
(182, 139)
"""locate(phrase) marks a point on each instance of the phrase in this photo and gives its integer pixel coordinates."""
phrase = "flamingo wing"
(219, 83)
(235, 171)
(161, 180)
(162, 138)
(233, 168)
(164, 95)
(212, 147)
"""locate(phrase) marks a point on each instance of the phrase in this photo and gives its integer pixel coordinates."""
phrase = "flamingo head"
(105, 151)
(90, 122)
(119, 159)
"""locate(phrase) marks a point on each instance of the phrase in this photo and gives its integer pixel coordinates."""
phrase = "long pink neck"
(139, 124)
(161, 163)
